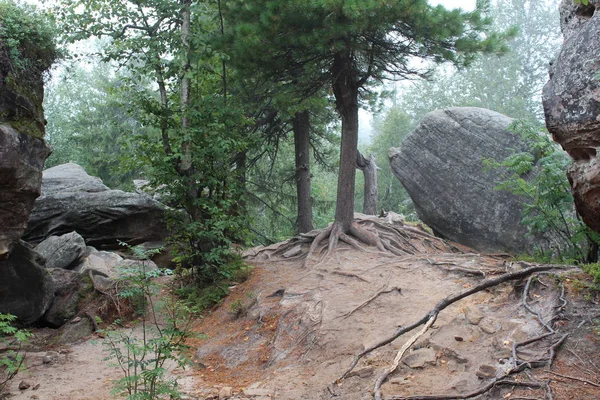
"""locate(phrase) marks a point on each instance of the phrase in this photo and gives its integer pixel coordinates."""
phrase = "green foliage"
(594, 271)
(538, 177)
(272, 186)
(142, 352)
(88, 124)
(192, 135)
(510, 84)
(11, 360)
(27, 40)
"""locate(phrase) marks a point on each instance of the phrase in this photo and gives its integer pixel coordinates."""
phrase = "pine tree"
(347, 45)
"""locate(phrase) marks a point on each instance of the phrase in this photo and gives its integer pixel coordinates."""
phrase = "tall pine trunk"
(345, 89)
(301, 127)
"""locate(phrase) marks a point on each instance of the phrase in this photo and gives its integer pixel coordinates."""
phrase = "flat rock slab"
(420, 358)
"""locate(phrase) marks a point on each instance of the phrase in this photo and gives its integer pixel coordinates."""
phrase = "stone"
(67, 288)
(50, 357)
(455, 366)
(72, 200)
(362, 372)
(62, 251)
(419, 358)
(26, 288)
(21, 162)
(293, 252)
(473, 315)
(257, 392)
(24, 385)
(440, 164)
(225, 392)
(22, 147)
(72, 333)
(486, 372)
(571, 100)
(489, 326)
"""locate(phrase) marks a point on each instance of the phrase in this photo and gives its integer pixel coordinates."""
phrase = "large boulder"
(62, 251)
(441, 166)
(26, 288)
(68, 288)
(572, 104)
(72, 200)
(21, 162)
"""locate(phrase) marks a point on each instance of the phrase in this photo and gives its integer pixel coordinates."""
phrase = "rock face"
(572, 104)
(62, 251)
(72, 200)
(67, 291)
(21, 162)
(26, 288)
(440, 165)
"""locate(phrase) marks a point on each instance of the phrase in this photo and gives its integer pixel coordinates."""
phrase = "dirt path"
(289, 332)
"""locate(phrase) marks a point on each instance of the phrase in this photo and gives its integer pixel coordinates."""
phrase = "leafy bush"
(538, 177)
(27, 39)
(11, 360)
(143, 356)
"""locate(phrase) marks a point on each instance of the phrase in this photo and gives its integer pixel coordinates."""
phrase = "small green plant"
(237, 309)
(13, 358)
(593, 270)
(538, 177)
(144, 352)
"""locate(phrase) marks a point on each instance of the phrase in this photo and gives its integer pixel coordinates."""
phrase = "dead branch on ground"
(365, 303)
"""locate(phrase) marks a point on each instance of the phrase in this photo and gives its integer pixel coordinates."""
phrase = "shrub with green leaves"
(27, 39)
(144, 353)
(11, 359)
(538, 176)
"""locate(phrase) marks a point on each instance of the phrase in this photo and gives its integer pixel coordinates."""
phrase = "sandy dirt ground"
(292, 330)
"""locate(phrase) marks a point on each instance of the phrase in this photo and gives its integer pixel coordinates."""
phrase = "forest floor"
(292, 330)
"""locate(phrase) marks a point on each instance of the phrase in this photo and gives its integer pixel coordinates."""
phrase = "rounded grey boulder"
(441, 166)
(62, 251)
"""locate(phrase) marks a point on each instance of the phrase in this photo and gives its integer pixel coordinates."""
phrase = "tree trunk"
(345, 89)
(186, 159)
(301, 125)
(369, 169)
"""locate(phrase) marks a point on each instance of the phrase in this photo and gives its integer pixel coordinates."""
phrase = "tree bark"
(186, 158)
(369, 169)
(301, 127)
(345, 89)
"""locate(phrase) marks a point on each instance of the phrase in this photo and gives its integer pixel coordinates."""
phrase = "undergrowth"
(11, 356)
(201, 294)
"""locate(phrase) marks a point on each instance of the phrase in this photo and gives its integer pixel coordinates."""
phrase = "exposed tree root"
(428, 319)
(453, 267)
(574, 378)
(498, 382)
(348, 275)
(365, 303)
(399, 355)
(367, 234)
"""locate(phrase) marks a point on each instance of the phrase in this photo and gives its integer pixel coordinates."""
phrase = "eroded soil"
(291, 331)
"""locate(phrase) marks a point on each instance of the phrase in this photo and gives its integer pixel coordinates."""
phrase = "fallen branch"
(365, 303)
(573, 378)
(442, 304)
(406, 346)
